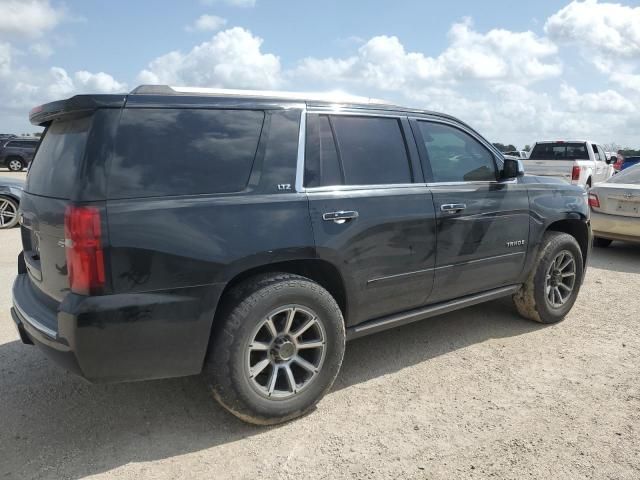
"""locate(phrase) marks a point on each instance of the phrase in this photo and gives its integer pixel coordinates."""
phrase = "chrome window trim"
(302, 140)
(346, 188)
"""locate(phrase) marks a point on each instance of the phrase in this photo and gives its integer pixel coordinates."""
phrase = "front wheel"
(277, 350)
(553, 285)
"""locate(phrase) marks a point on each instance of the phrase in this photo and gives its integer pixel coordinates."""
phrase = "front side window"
(354, 150)
(455, 156)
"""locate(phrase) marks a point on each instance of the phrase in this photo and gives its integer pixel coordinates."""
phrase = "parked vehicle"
(576, 161)
(291, 225)
(17, 153)
(10, 194)
(518, 153)
(615, 208)
(5, 137)
(630, 162)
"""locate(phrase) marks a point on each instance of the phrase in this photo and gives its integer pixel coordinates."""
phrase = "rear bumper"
(615, 227)
(123, 337)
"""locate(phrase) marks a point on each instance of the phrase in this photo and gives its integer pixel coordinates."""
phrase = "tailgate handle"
(339, 217)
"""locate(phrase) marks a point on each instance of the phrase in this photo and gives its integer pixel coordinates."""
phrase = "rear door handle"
(453, 207)
(339, 217)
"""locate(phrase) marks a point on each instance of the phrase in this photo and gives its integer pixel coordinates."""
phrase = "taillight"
(575, 172)
(83, 242)
(594, 201)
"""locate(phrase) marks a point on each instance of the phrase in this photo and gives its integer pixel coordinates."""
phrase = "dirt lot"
(474, 394)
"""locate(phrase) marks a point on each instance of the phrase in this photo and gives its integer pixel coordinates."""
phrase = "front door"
(482, 223)
(372, 215)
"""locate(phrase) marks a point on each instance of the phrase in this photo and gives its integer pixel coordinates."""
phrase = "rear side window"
(455, 156)
(183, 151)
(354, 150)
(559, 151)
(54, 169)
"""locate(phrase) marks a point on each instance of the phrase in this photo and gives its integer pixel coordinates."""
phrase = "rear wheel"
(601, 242)
(278, 350)
(553, 285)
(8, 212)
(15, 164)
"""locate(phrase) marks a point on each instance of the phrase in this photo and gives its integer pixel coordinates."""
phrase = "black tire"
(588, 185)
(8, 212)
(15, 164)
(601, 242)
(532, 300)
(229, 360)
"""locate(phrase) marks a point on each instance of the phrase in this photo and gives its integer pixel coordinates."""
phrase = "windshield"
(630, 175)
(559, 151)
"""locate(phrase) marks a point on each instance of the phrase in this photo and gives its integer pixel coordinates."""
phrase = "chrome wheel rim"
(560, 279)
(15, 165)
(8, 212)
(286, 352)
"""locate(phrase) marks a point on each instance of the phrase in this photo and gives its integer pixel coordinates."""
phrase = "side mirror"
(512, 168)
(611, 160)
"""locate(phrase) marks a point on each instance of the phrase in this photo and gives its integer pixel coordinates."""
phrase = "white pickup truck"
(579, 162)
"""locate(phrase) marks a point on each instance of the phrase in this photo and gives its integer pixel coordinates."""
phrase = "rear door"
(482, 222)
(371, 212)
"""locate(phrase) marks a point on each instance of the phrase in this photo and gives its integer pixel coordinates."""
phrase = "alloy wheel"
(286, 352)
(560, 279)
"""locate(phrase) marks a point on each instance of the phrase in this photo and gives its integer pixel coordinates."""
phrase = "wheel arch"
(576, 227)
(320, 271)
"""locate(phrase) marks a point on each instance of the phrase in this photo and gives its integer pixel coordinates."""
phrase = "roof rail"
(335, 96)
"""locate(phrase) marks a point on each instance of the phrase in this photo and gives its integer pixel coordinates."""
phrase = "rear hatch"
(50, 187)
(555, 159)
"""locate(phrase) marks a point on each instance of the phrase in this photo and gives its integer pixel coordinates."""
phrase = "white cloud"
(5, 59)
(232, 58)
(28, 18)
(85, 82)
(603, 28)
(608, 101)
(42, 50)
(207, 23)
(498, 55)
(233, 3)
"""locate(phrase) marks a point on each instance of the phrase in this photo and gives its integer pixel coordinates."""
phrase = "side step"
(392, 321)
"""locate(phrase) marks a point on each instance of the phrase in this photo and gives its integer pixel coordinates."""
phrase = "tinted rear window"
(559, 151)
(183, 151)
(54, 169)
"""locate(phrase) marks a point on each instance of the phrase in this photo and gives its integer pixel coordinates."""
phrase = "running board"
(392, 321)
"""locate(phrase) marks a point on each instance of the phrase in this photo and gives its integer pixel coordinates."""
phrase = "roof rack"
(333, 97)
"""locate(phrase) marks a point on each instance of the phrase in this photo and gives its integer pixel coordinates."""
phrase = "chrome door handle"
(453, 207)
(339, 217)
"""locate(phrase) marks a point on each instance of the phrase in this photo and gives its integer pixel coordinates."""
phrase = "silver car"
(615, 208)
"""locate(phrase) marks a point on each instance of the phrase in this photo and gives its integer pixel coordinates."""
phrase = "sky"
(516, 71)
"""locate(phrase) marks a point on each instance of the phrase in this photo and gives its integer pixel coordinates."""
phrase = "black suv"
(248, 235)
(17, 153)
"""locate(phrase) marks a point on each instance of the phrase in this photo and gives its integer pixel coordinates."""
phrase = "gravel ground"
(479, 393)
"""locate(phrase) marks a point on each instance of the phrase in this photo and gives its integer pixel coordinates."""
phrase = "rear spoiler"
(78, 104)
